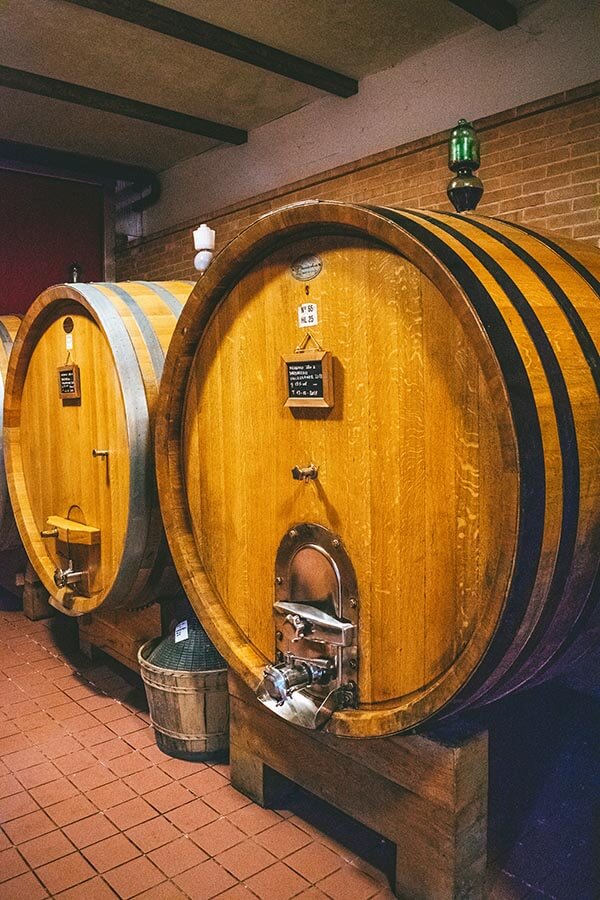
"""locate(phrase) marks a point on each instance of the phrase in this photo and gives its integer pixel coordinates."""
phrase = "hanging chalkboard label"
(68, 382)
(308, 379)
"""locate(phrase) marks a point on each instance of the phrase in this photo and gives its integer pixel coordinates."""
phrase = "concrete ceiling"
(60, 40)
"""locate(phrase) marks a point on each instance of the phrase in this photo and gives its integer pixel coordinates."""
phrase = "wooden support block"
(119, 633)
(36, 603)
(426, 793)
(70, 532)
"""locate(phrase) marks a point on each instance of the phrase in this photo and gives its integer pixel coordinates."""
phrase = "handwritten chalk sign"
(309, 379)
(68, 383)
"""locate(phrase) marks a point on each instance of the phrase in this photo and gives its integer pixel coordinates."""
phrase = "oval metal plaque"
(307, 267)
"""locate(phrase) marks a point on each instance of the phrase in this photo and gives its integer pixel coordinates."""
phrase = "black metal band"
(525, 417)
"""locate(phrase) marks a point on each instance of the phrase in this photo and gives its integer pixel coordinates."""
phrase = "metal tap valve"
(282, 680)
(64, 577)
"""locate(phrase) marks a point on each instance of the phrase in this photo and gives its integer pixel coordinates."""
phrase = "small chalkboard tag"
(309, 380)
(68, 382)
(181, 631)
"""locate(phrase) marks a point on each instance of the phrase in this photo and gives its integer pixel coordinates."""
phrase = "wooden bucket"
(456, 461)
(81, 392)
(9, 536)
(189, 710)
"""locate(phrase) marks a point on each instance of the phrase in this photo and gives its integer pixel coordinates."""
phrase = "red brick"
(314, 862)
(192, 816)
(49, 794)
(111, 852)
(252, 819)
(153, 833)
(148, 779)
(204, 782)
(28, 827)
(46, 848)
(349, 883)
(23, 887)
(282, 839)
(245, 859)
(64, 873)
(278, 882)
(168, 797)
(13, 744)
(134, 877)
(226, 799)
(129, 764)
(12, 864)
(90, 830)
(141, 739)
(204, 881)
(177, 856)
(92, 777)
(15, 806)
(110, 795)
(110, 712)
(75, 761)
(131, 813)
(96, 889)
(71, 810)
(218, 836)
(9, 786)
(90, 737)
(110, 749)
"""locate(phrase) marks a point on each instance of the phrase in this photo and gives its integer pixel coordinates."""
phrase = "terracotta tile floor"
(91, 809)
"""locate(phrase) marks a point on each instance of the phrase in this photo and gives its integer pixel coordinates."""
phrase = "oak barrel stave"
(464, 430)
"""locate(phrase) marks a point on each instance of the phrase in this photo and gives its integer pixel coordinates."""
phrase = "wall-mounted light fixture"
(465, 189)
(204, 244)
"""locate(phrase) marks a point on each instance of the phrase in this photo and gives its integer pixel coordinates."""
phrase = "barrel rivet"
(353, 664)
(353, 602)
(335, 542)
(293, 533)
(279, 635)
(279, 580)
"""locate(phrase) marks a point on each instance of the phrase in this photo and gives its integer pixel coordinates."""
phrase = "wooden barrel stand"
(427, 796)
(119, 633)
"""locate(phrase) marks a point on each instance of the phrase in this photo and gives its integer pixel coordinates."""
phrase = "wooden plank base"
(36, 603)
(425, 793)
(120, 633)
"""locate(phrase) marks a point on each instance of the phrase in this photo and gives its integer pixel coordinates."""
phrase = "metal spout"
(281, 681)
(64, 577)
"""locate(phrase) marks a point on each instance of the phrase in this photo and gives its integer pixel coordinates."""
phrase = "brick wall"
(540, 166)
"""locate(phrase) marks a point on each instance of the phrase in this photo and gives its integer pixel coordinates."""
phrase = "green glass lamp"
(465, 189)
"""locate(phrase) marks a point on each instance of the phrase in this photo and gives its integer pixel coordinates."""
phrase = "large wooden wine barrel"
(81, 392)
(9, 537)
(453, 472)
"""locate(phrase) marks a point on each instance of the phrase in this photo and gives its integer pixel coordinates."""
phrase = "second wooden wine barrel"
(378, 460)
(81, 392)
(9, 537)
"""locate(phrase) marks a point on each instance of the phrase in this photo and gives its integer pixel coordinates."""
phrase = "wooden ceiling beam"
(500, 14)
(204, 34)
(122, 106)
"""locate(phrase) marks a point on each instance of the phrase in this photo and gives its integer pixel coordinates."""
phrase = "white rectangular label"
(307, 315)
(181, 631)
(69, 341)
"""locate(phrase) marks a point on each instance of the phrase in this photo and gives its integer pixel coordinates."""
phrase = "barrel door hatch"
(315, 616)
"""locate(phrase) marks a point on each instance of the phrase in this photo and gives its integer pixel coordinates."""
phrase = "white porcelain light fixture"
(204, 244)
